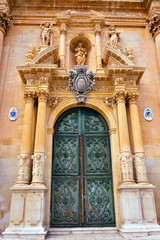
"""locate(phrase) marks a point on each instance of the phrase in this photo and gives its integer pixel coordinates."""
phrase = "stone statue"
(80, 54)
(46, 33)
(114, 37)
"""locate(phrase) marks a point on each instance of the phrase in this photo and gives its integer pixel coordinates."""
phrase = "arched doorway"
(82, 193)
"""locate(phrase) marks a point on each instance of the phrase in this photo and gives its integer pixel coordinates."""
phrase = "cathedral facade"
(79, 121)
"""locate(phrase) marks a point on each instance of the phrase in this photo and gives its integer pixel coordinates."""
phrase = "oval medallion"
(81, 85)
(148, 115)
(13, 114)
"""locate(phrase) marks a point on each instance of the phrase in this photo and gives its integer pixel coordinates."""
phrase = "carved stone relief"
(53, 101)
(140, 167)
(24, 168)
(46, 33)
(126, 166)
(38, 167)
(113, 37)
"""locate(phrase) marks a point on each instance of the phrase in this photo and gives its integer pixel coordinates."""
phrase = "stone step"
(84, 230)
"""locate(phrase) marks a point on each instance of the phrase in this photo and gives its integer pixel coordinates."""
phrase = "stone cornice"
(66, 4)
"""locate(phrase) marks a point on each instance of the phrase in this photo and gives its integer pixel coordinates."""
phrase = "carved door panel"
(81, 172)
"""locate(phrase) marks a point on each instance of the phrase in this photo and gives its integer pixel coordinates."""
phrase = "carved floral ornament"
(121, 96)
(30, 96)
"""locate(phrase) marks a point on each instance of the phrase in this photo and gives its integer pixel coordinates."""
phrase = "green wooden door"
(82, 192)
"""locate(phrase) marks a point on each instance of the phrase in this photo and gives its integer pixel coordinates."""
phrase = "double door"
(82, 192)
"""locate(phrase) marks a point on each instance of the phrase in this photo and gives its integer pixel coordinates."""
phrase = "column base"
(138, 211)
(27, 213)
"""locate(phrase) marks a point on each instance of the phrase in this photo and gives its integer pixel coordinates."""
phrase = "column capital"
(5, 20)
(120, 96)
(154, 24)
(42, 96)
(29, 96)
(132, 97)
(97, 28)
(63, 28)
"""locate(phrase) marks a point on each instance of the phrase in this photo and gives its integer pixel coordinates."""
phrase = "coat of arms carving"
(81, 82)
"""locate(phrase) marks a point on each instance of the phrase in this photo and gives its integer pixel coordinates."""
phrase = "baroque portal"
(82, 157)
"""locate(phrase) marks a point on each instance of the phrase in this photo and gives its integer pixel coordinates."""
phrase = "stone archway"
(107, 113)
(82, 192)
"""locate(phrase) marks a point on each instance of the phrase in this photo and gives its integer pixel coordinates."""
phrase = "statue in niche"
(80, 54)
(114, 37)
(46, 33)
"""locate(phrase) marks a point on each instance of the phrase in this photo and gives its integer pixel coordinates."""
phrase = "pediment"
(113, 56)
(88, 16)
(47, 56)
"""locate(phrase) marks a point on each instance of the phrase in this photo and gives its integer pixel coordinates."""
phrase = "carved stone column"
(5, 19)
(139, 157)
(25, 161)
(154, 28)
(39, 150)
(62, 51)
(98, 45)
(125, 155)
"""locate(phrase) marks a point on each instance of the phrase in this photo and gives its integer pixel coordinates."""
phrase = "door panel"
(97, 157)
(82, 192)
(66, 155)
(65, 201)
(99, 201)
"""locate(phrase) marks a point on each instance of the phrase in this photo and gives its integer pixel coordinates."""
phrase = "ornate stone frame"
(118, 84)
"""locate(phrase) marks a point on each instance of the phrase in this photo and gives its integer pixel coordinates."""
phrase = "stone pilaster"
(25, 162)
(98, 45)
(5, 19)
(154, 28)
(139, 157)
(62, 51)
(125, 151)
(39, 150)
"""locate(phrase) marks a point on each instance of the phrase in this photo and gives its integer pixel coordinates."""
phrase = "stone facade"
(121, 45)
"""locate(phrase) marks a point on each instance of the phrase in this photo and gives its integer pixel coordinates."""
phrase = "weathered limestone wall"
(16, 47)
